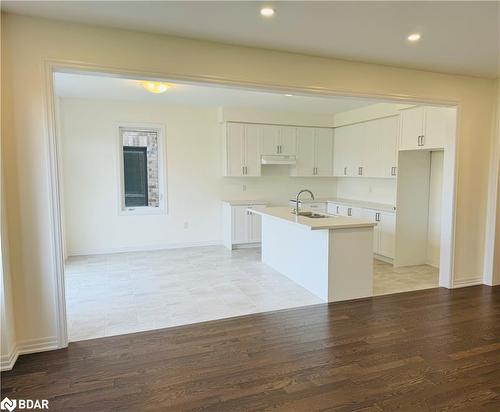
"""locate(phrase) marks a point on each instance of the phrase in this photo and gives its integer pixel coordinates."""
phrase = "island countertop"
(327, 223)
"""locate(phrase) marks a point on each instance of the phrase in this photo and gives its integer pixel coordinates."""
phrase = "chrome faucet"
(297, 211)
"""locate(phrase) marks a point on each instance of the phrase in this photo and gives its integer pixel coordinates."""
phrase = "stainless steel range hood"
(278, 160)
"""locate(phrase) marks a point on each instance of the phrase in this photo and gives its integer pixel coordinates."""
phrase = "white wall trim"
(51, 66)
(28, 346)
(469, 281)
(7, 361)
(124, 249)
(491, 208)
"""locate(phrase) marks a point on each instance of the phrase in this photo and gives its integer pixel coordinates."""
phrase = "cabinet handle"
(349, 211)
(242, 170)
(345, 171)
(337, 210)
(377, 217)
(393, 171)
(423, 140)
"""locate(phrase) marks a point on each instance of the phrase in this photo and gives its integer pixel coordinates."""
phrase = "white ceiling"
(457, 36)
(111, 88)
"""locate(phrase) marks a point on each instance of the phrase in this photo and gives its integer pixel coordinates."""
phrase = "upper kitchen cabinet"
(426, 127)
(323, 147)
(278, 140)
(314, 152)
(348, 150)
(381, 147)
(242, 149)
(367, 149)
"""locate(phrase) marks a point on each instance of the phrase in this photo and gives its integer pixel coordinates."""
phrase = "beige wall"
(26, 42)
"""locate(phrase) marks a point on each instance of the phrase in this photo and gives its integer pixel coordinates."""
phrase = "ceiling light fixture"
(155, 87)
(414, 37)
(288, 95)
(267, 12)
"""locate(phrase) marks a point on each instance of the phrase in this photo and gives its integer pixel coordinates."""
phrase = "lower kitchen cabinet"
(240, 226)
(384, 234)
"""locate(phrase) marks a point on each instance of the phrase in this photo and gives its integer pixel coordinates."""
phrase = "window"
(141, 181)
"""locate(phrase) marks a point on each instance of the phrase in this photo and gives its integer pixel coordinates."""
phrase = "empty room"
(250, 206)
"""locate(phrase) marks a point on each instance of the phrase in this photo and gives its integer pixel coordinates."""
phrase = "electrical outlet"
(186, 225)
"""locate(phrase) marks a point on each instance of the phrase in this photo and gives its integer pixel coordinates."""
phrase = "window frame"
(162, 203)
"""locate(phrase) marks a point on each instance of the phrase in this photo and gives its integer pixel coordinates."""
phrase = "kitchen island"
(331, 256)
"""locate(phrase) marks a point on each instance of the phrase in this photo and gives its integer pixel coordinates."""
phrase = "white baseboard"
(28, 346)
(7, 361)
(383, 258)
(107, 251)
(469, 281)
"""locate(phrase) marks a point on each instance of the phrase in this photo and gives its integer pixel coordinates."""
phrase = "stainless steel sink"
(312, 215)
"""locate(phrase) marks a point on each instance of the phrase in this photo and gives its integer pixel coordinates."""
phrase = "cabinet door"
(439, 124)
(382, 147)
(412, 123)
(387, 234)
(371, 215)
(234, 149)
(240, 227)
(345, 210)
(358, 212)
(357, 150)
(252, 150)
(324, 152)
(288, 140)
(333, 208)
(305, 151)
(342, 148)
(255, 225)
(270, 139)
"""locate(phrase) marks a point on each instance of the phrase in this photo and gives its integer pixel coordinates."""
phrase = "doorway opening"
(148, 247)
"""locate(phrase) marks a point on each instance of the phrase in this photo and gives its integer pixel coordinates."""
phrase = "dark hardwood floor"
(431, 350)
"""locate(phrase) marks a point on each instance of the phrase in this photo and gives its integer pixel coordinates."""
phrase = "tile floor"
(388, 279)
(131, 292)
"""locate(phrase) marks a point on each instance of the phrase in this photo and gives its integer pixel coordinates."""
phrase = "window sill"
(142, 210)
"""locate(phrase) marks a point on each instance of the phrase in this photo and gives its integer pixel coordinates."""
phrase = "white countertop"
(245, 202)
(334, 222)
(347, 202)
(366, 205)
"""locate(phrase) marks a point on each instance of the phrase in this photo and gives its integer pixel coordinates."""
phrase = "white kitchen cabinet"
(349, 149)
(381, 148)
(426, 127)
(314, 152)
(278, 140)
(323, 151)
(240, 226)
(288, 140)
(367, 149)
(306, 152)
(384, 234)
(242, 150)
(333, 208)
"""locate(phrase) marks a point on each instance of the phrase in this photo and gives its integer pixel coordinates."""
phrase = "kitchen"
(401, 148)
(219, 161)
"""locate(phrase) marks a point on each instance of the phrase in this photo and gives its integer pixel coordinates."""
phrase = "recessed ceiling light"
(267, 12)
(156, 87)
(414, 37)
